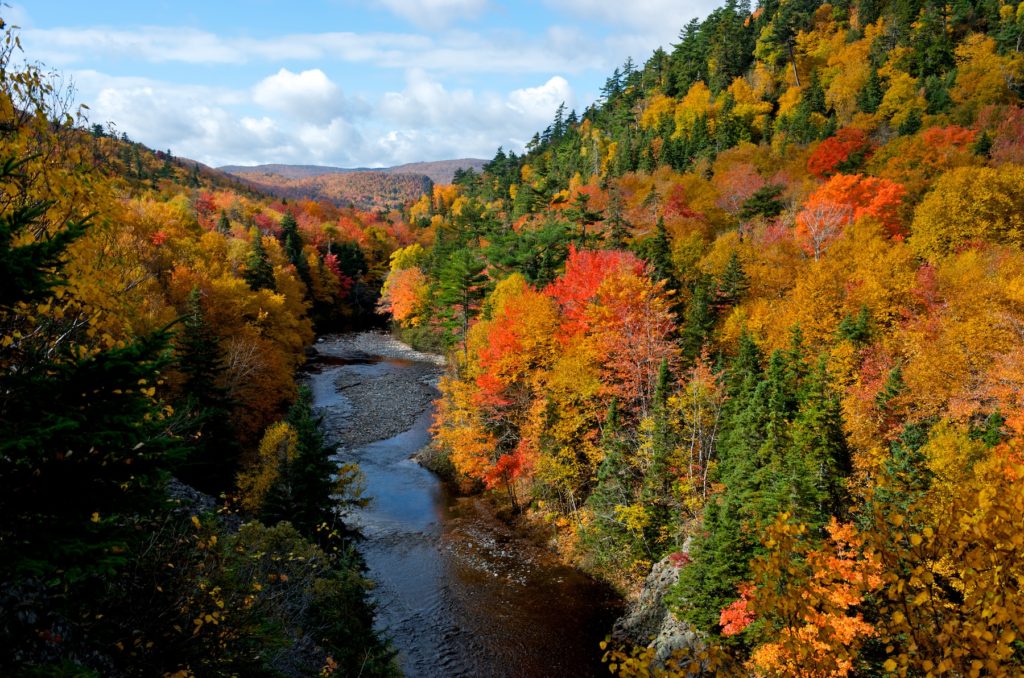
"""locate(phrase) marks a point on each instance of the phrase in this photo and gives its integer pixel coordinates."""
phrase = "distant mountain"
(363, 189)
(439, 172)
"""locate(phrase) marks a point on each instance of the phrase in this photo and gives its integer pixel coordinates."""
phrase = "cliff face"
(649, 622)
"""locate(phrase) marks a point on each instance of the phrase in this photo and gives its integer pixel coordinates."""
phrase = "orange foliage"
(840, 153)
(842, 200)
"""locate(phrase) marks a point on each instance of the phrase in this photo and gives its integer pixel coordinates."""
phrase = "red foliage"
(266, 224)
(585, 270)
(738, 615)
(158, 238)
(843, 152)
(677, 205)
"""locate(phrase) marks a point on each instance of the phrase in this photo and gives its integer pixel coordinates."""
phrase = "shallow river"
(458, 593)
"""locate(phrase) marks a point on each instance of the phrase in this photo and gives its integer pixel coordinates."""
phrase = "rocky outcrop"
(648, 620)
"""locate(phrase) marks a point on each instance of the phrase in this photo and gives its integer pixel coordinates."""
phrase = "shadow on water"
(458, 593)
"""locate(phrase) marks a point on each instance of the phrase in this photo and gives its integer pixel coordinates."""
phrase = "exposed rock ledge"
(649, 622)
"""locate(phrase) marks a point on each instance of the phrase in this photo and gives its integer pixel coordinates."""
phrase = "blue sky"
(340, 82)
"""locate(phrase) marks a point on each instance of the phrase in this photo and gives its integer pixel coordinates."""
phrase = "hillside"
(755, 314)
(440, 171)
(366, 190)
(153, 316)
(386, 188)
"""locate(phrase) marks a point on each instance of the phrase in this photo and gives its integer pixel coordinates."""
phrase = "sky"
(350, 83)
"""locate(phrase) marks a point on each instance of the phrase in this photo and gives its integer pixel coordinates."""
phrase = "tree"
(969, 205)
(205, 398)
(461, 287)
(763, 202)
(292, 241)
(842, 200)
(259, 272)
(223, 224)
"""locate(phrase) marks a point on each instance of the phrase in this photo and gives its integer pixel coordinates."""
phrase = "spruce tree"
(84, 442)
(870, 96)
(223, 224)
(618, 233)
(291, 239)
(211, 466)
(699, 319)
(259, 272)
(734, 283)
(461, 287)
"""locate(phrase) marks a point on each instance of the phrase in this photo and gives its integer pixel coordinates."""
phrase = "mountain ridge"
(438, 171)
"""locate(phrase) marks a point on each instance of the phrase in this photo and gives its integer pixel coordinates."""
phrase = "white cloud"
(309, 95)
(433, 14)
(539, 103)
(424, 121)
(451, 52)
(657, 20)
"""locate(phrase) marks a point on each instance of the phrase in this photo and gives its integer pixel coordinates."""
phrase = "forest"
(757, 312)
(152, 319)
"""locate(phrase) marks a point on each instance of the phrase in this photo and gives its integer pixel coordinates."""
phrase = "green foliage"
(259, 272)
(212, 463)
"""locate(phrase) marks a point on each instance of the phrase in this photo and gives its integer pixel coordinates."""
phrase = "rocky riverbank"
(376, 404)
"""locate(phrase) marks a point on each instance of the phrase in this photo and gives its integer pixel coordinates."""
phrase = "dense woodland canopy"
(759, 310)
(152, 317)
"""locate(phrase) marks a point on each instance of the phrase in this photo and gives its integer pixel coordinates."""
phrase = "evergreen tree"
(734, 282)
(618, 233)
(207, 403)
(224, 224)
(292, 241)
(764, 202)
(870, 96)
(658, 252)
(699, 319)
(461, 287)
(259, 272)
(303, 492)
(83, 446)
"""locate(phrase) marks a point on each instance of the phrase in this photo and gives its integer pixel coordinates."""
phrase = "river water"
(457, 592)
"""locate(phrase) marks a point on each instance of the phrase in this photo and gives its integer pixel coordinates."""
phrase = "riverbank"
(457, 589)
(375, 404)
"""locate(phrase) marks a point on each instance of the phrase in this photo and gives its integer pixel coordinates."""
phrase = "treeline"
(757, 311)
(151, 322)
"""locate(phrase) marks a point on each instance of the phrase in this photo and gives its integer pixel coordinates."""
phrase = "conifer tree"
(223, 224)
(461, 287)
(259, 272)
(201, 360)
(291, 239)
(699, 319)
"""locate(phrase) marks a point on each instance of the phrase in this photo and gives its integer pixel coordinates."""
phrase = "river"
(457, 592)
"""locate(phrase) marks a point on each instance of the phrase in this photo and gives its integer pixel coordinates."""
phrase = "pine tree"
(259, 272)
(618, 233)
(306, 485)
(659, 256)
(84, 443)
(764, 202)
(734, 282)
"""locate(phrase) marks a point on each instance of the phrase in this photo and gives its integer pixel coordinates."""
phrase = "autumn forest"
(755, 318)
